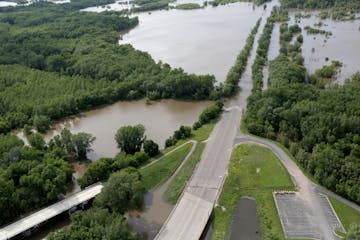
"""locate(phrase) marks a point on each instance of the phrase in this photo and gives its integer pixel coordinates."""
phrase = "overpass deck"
(49, 212)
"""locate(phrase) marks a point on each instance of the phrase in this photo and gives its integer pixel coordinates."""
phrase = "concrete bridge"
(34, 220)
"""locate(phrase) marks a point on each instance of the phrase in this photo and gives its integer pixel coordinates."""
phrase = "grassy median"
(346, 214)
(157, 173)
(254, 171)
(199, 135)
(177, 185)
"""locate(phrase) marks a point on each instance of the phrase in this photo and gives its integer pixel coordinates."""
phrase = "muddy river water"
(160, 118)
(204, 41)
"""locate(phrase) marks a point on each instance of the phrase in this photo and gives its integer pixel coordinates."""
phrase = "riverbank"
(167, 173)
(176, 187)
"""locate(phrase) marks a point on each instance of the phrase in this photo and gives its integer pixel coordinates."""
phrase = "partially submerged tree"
(123, 191)
(130, 138)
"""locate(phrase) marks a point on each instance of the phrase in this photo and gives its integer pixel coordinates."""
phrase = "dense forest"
(36, 175)
(336, 9)
(124, 191)
(75, 58)
(319, 3)
(321, 126)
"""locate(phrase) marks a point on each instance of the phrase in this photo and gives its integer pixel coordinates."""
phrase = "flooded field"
(202, 41)
(343, 45)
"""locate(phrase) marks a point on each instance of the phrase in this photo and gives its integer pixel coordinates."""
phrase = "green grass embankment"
(177, 185)
(256, 172)
(157, 173)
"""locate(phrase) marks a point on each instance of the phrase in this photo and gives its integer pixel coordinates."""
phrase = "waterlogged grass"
(254, 171)
(179, 182)
(346, 214)
(157, 173)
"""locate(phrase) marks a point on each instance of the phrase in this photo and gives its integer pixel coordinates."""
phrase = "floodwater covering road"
(198, 199)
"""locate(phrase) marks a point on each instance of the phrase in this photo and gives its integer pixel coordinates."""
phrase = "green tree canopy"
(151, 148)
(95, 224)
(37, 141)
(123, 191)
(130, 138)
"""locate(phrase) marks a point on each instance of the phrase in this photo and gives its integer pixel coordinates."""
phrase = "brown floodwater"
(202, 41)
(274, 50)
(343, 45)
(160, 118)
(147, 223)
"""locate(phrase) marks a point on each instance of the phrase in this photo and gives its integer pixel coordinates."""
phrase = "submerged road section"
(45, 214)
(192, 212)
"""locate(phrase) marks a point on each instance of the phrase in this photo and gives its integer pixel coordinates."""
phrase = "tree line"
(319, 126)
(233, 77)
(261, 54)
(104, 220)
(342, 10)
(34, 176)
(75, 58)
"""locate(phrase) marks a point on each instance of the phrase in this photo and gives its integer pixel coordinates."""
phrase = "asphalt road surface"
(49, 212)
(190, 215)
